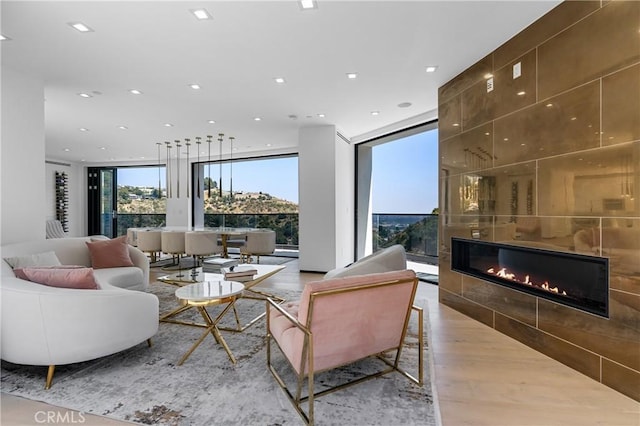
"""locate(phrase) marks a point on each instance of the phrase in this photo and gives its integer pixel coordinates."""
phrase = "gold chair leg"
(52, 369)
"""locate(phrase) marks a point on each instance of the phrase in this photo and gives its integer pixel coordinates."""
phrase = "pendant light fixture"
(209, 166)
(159, 162)
(231, 138)
(169, 183)
(220, 138)
(187, 142)
(198, 142)
(177, 168)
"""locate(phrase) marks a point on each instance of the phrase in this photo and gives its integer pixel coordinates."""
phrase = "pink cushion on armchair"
(347, 325)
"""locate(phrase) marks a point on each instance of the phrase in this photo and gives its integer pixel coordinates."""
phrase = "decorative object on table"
(239, 273)
(215, 265)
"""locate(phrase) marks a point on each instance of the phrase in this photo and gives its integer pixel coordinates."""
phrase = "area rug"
(144, 385)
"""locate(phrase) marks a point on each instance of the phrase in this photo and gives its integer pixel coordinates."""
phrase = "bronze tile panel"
(470, 309)
(621, 106)
(511, 303)
(617, 338)
(603, 42)
(566, 123)
(449, 118)
(514, 94)
(620, 242)
(556, 20)
(465, 227)
(448, 280)
(591, 183)
(622, 379)
(466, 79)
(478, 105)
(469, 151)
(575, 357)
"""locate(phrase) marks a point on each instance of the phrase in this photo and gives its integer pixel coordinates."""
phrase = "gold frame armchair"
(338, 322)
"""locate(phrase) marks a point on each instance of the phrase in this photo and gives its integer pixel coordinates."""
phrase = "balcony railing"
(417, 233)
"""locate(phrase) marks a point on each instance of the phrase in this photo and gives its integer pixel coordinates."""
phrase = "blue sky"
(405, 175)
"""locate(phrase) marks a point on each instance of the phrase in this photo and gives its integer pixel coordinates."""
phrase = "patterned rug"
(144, 385)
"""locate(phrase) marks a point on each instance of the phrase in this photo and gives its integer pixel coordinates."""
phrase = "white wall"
(22, 154)
(326, 197)
(77, 194)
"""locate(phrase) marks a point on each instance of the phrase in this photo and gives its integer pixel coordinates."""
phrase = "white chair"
(259, 242)
(173, 243)
(200, 244)
(55, 230)
(149, 241)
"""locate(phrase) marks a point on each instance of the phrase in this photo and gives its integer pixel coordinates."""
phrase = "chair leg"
(149, 342)
(52, 369)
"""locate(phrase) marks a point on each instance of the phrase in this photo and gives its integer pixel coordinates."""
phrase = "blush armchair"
(340, 321)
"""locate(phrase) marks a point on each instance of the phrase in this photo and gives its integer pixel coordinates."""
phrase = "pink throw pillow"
(110, 253)
(78, 277)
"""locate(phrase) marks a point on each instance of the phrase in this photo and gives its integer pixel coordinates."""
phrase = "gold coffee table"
(249, 292)
(199, 296)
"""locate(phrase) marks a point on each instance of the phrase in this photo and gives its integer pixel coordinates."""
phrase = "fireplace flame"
(503, 273)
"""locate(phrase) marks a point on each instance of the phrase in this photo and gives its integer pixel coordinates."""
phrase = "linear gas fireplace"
(571, 279)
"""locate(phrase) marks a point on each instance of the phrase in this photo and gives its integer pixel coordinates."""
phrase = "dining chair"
(259, 242)
(200, 244)
(149, 241)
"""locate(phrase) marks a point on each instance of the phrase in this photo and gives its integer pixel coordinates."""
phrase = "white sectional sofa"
(49, 326)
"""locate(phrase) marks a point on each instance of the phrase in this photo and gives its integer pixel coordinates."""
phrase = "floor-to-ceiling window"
(256, 192)
(397, 193)
(126, 197)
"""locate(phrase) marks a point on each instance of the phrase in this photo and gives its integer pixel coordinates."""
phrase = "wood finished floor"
(481, 377)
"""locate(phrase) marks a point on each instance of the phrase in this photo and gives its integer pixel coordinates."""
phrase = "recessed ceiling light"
(279, 80)
(268, 144)
(456, 124)
(211, 122)
(84, 95)
(168, 125)
(122, 127)
(66, 150)
(103, 148)
(195, 86)
(549, 105)
(83, 129)
(80, 27)
(431, 68)
(135, 92)
(257, 119)
(201, 14)
(521, 93)
(321, 115)
(352, 75)
(375, 112)
(4, 37)
(308, 4)
(404, 105)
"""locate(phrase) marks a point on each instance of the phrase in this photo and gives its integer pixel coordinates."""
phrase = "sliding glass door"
(125, 197)
(102, 207)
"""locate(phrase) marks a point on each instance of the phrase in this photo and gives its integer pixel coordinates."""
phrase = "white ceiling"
(159, 48)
